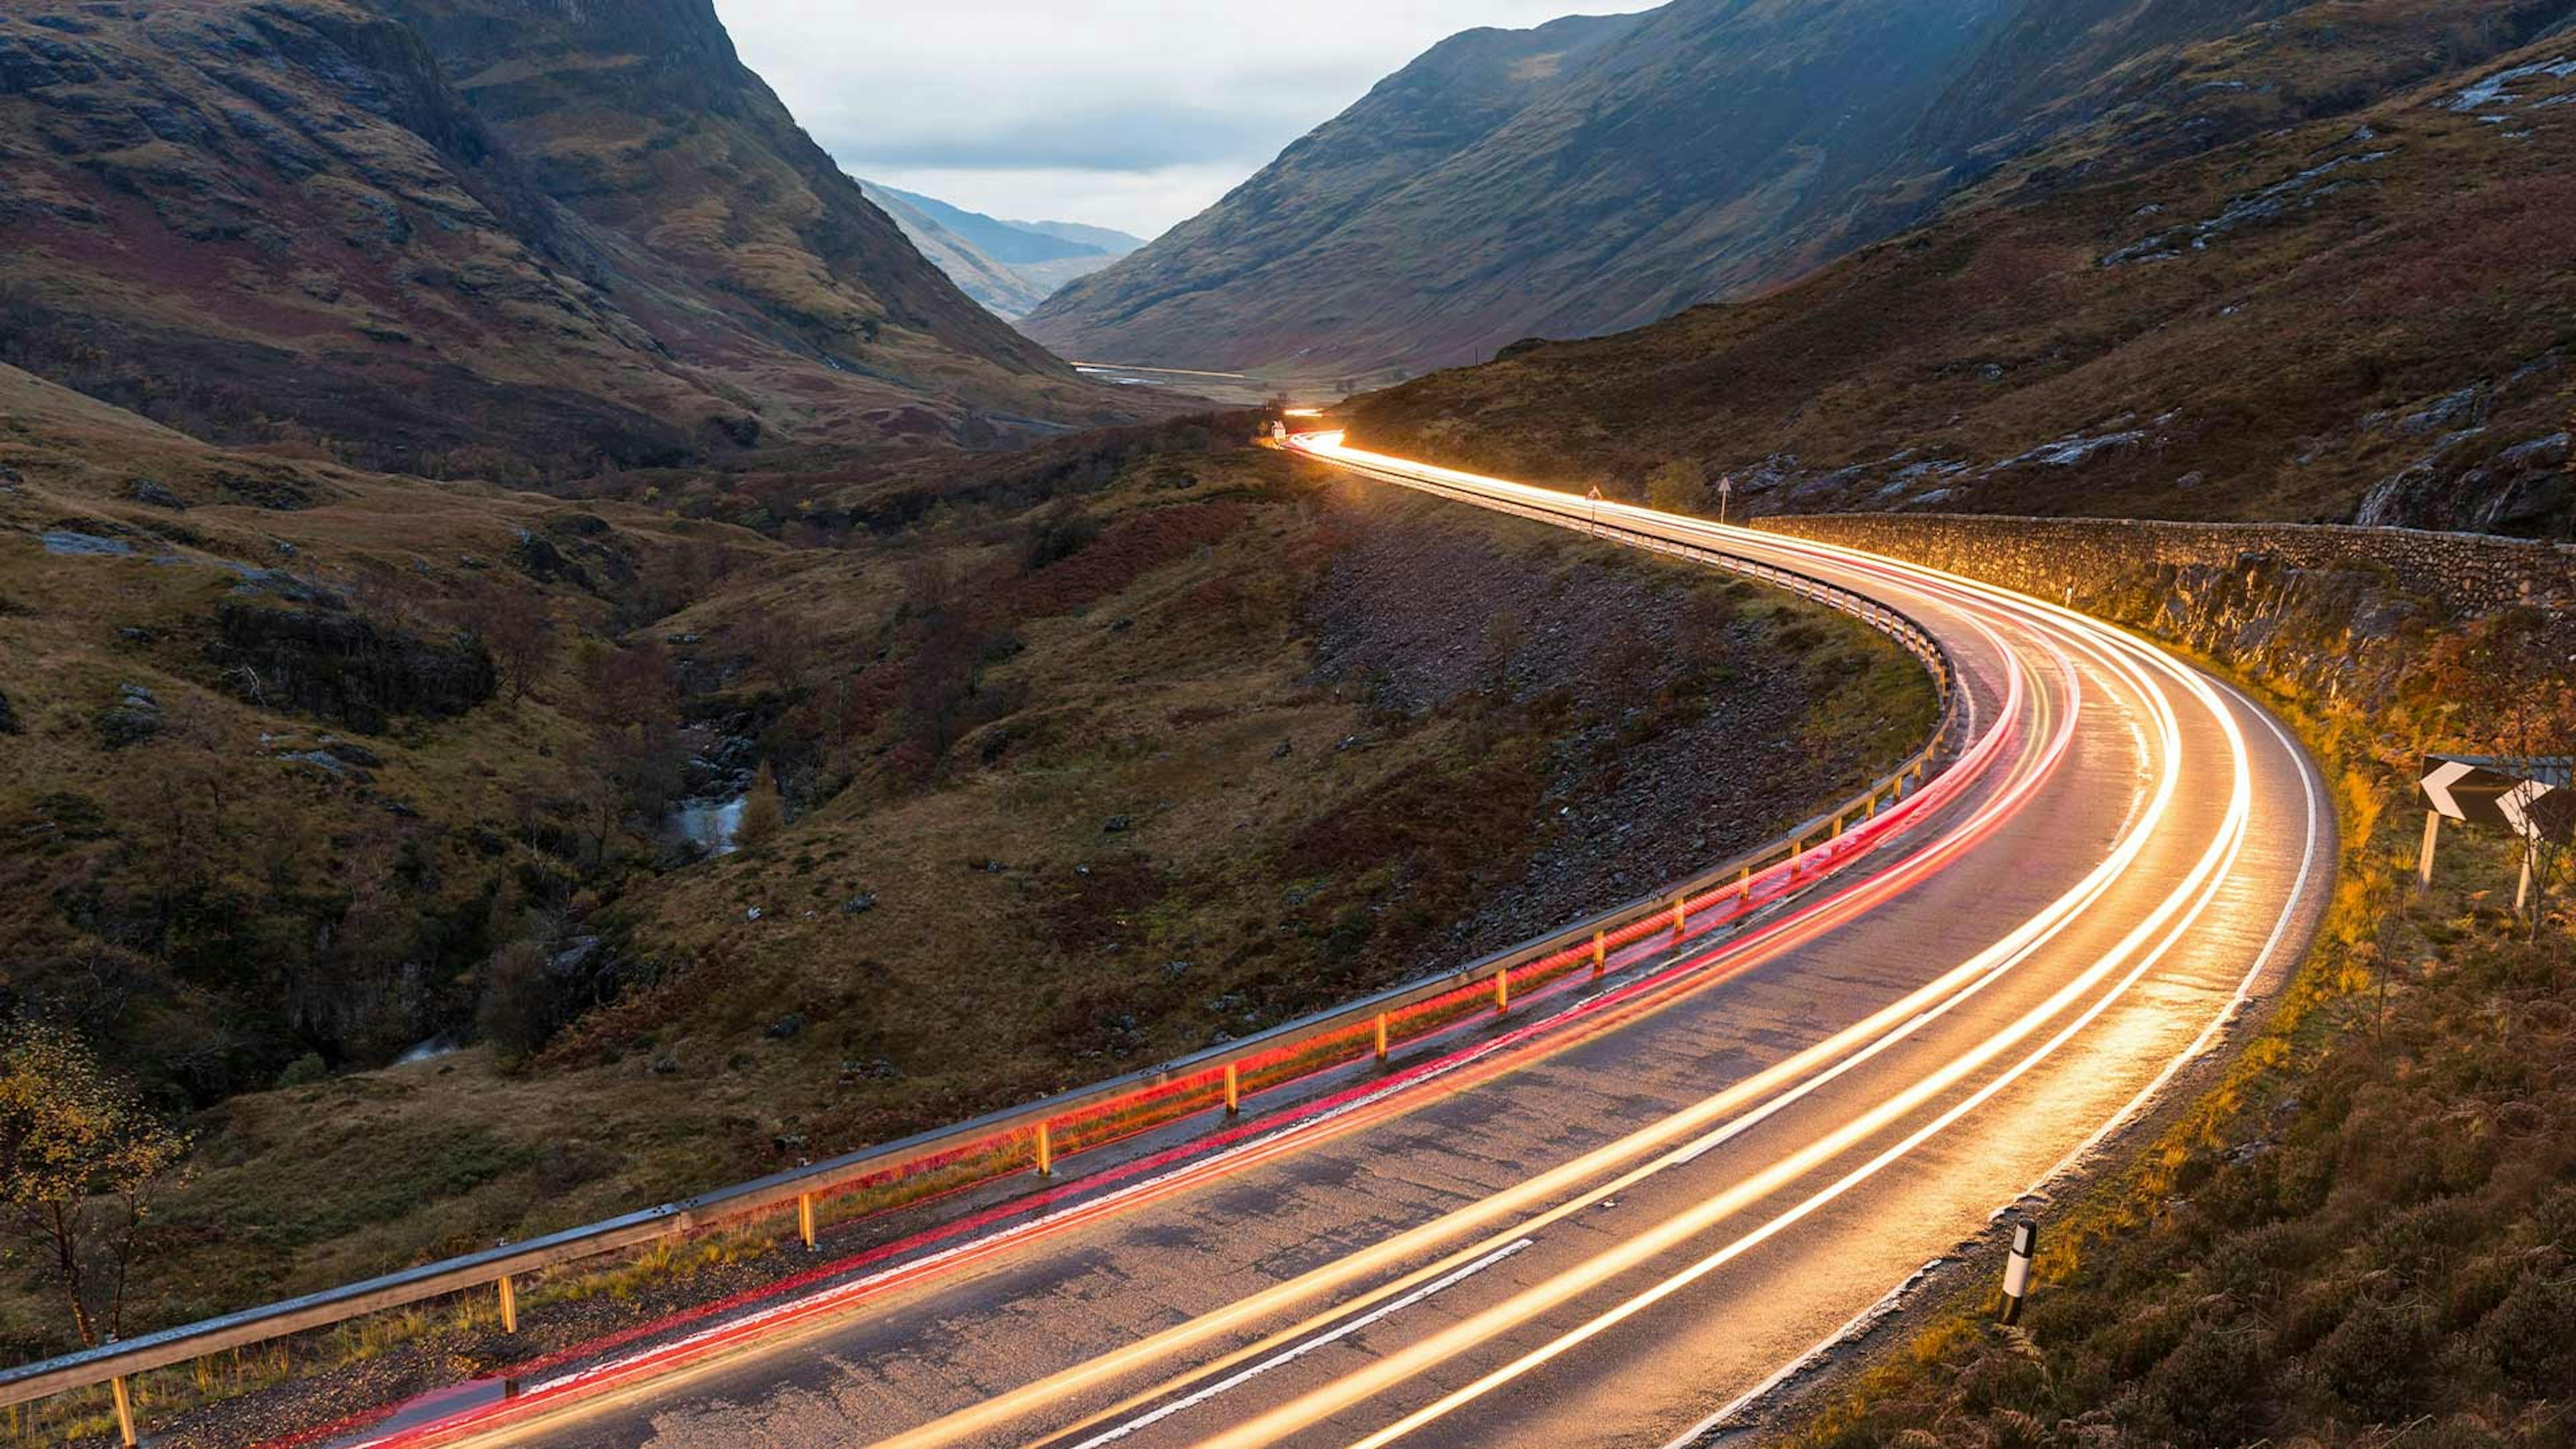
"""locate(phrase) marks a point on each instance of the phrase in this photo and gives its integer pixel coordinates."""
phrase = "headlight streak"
(1904, 1016)
(2012, 950)
(1793, 1079)
(2189, 901)
(592, 1386)
(1394, 1368)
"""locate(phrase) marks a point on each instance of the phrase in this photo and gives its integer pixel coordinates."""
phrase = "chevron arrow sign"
(2532, 798)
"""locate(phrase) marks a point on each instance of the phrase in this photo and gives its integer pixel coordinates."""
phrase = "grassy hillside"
(2364, 317)
(1087, 759)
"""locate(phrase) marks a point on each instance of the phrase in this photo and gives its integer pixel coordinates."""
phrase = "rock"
(786, 1027)
(352, 754)
(9, 474)
(859, 905)
(9, 718)
(1285, 749)
(346, 667)
(1175, 970)
(751, 913)
(326, 765)
(1117, 825)
(133, 635)
(134, 718)
(2191, 480)
(665, 1064)
(2468, 407)
(787, 1142)
(147, 491)
(65, 544)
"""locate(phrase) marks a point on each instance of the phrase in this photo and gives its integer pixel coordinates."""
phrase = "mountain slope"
(1008, 266)
(493, 234)
(1257, 262)
(1701, 151)
(2363, 318)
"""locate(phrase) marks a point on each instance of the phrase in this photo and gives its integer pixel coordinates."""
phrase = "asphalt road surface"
(1612, 1232)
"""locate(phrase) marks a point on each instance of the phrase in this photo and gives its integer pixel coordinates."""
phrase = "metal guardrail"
(116, 1361)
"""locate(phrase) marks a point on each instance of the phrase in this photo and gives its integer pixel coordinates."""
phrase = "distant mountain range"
(462, 234)
(1009, 266)
(1599, 173)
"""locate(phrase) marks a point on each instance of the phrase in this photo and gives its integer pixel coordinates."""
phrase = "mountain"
(1099, 238)
(1597, 174)
(2356, 317)
(470, 234)
(1009, 266)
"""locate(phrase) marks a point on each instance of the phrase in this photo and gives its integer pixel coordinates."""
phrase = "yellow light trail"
(2199, 886)
(2013, 948)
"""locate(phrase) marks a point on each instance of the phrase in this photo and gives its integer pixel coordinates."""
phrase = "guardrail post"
(805, 1219)
(1600, 953)
(1503, 989)
(1918, 774)
(2025, 1241)
(1046, 1152)
(1233, 1089)
(1872, 813)
(509, 1305)
(1838, 829)
(1381, 1036)
(124, 1411)
(1681, 915)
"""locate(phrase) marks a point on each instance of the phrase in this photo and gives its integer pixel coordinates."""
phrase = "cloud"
(1144, 111)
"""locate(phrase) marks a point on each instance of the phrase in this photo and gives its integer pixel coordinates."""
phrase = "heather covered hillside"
(1063, 766)
(2360, 318)
(470, 238)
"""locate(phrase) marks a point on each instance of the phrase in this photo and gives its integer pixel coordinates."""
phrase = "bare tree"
(519, 632)
(764, 812)
(79, 1159)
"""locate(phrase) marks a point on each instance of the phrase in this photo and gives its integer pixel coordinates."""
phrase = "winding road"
(1620, 1219)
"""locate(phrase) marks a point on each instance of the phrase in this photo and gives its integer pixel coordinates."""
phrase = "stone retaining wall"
(2461, 575)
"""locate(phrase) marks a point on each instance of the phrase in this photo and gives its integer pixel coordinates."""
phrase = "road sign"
(2530, 798)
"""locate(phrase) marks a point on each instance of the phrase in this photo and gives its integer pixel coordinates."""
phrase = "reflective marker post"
(2025, 1238)
(2424, 860)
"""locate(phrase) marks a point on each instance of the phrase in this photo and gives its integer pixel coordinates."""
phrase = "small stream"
(708, 824)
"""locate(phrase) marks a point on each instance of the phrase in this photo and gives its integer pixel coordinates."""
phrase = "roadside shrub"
(2532, 1336)
(2211, 1389)
(2374, 1358)
(304, 1071)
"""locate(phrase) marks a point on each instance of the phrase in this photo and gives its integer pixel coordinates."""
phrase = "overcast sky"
(1127, 113)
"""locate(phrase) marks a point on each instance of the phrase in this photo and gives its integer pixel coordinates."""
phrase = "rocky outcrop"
(132, 719)
(2463, 575)
(345, 667)
(2329, 611)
